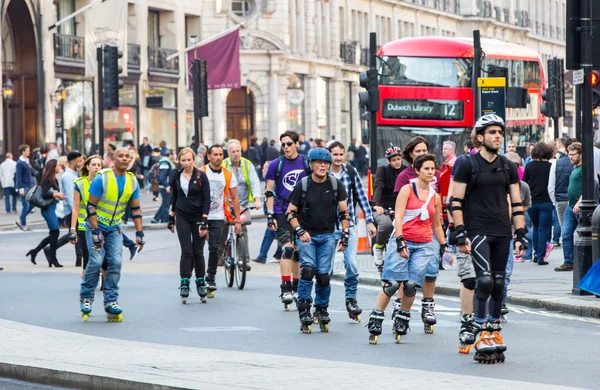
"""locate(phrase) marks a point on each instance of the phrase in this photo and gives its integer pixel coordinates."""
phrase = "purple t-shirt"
(291, 173)
(409, 175)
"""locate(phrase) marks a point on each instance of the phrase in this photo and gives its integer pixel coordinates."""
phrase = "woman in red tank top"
(418, 213)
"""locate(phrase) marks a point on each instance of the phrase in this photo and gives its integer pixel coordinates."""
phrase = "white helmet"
(489, 120)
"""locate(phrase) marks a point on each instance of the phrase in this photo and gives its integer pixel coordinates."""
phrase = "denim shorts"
(414, 268)
(433, 268)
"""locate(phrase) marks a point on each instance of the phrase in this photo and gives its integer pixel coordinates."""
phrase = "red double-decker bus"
(425, 87)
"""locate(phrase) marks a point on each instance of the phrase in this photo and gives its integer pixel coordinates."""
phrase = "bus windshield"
(425, 71)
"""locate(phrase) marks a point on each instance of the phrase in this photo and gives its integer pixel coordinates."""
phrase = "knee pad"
(288, 252)
(484, 286)
(390, 288)
(322, 280)
(410, 289)
(498, 289)
(430, 279)
(296, 255)
(307, 273)
(469, 283)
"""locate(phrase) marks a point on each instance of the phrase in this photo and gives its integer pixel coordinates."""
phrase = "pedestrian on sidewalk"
(81, 194)
(50, 190)
(190, 205)
(417, 219)
(269, 235)
(558, 181)
(23, 182)
(145, 152)
(350, 178)
(8, 171)
(164, 181)
(537, 174)
(109, 193)
(315, 204)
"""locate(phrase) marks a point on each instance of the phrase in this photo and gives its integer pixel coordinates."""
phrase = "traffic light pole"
(555, 124)
(476, 72)
(100, 100)
(583, 244)
(373, 66)
(197, 102)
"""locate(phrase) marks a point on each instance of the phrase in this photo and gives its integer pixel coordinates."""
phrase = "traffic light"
(370, 97)
(547, 108)
(112, 84)
(200, 86)
(595, 89)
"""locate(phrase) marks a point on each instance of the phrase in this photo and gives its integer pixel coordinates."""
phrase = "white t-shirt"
(185, 184)
(217, 193)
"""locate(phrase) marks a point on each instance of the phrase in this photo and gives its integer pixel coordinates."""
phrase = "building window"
(121, 124)
(65, 8)
(153, 28)
(322, 108)
(296, 101)
(241, 8)
(78, 115)
(162, 117)
(346, 104)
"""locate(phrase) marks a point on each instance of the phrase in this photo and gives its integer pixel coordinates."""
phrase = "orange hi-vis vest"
(227, 173)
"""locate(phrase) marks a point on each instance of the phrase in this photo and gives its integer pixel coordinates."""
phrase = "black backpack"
(475, 171)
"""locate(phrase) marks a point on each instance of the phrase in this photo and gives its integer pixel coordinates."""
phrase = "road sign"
(492, 92)
(578, 77)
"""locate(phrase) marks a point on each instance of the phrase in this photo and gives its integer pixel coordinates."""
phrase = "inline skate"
(201, 289)
(504, 313)
(295, 290)
(286, 295)
(184, 290)
(305, 316)
(427, 314)
(375, 325)
(113, 311)
(401, 326)
(86, 307)
(353, 309)
(467, 333)
(211, 285)
(322, 317)
(486, 349)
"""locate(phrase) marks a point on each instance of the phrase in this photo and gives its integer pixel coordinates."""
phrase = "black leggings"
(192, 247)
(52, 240)
(489, 255)
(82, 244)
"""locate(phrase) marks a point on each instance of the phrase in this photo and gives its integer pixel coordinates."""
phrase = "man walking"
(24, 182)
(109, 194)
(166, 167)
(145, 152)
(248, 188)
(558, 181)
(8, 170)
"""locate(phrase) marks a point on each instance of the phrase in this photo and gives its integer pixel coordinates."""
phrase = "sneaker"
(518, 260)
(564, 267)
(259, 261)
(155, 199)
(18, 223)
(524, 260)
(274, 260)
(133, 252)
(556, 244)
(543, 262)
(153, 220)
(549, 248)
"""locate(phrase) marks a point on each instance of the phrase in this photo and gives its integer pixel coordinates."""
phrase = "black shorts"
(285, 233)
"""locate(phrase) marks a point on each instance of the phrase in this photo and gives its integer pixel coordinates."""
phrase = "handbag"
(34, 197)
(60, 210)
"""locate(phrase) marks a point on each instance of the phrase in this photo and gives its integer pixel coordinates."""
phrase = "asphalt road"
(11, 384)
(542, 347)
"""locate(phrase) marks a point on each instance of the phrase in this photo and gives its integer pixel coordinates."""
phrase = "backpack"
(475, 171)
(280, 164)
(154, 174)
(305, 183)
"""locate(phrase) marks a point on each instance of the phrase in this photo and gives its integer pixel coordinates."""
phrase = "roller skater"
(306, 318)
(353, 309)
(350, 178)
(467, 333)
(287, 295)
(480, 186)
(190, 204)
(427, 314)
(86, 307)
(109, 194)
(410, 247)
(375, 325)
(312, 214)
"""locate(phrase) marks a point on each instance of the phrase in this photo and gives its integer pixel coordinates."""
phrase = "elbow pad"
(91, 209)
(291, 215)
(344, 215)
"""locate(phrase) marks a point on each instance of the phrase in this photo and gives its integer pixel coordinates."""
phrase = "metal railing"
(69, 47)
(348, 52)
(157, 60)
(133, 56)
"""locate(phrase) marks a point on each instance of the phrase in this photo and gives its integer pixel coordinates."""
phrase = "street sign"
(578, 77)
(492, 92)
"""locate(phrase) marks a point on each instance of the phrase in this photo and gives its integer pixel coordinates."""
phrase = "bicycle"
(235, 257)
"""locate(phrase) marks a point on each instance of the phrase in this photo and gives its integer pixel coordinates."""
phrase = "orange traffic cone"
(363, 239)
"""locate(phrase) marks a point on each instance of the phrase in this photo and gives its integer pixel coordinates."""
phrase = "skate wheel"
(373, 339)
(115, 318)
(306, 329)
(286, 307)
(85, 317)
(499, 357)
(354, 317)
(203, 299)
(211, 294)
(464, 349)
(184, 300)
(398, 338)
(324, 327)
(358, 319)
(315, 320)
(429, 329)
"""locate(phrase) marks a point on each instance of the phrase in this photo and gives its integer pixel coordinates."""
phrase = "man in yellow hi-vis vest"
(248, 188)
(109, 194)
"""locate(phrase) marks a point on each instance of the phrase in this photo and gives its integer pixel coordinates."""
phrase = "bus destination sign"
(450, 110)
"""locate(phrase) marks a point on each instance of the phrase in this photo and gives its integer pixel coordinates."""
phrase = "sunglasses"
(494, 132)
(288, 144)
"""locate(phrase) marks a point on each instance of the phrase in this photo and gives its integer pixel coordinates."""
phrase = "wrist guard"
(72, 237)
(203, 225)
(96, 238)
(401, 244)
(345, 237)
(458, 236)
(269, 194)
(139, 234)
(299, 231)
(344, 215)
(270, 219)
(171, 222)
(520, 238)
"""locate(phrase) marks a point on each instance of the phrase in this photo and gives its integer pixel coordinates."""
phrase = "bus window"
(423, 71)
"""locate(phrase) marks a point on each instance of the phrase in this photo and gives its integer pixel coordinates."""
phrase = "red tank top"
(416, 229)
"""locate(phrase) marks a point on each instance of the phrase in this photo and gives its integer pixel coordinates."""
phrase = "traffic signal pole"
(476, 72)
(373, 67)
(196, 97)
(99, 51)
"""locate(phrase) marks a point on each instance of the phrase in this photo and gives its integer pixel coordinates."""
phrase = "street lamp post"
(60, 98)
(8, 93)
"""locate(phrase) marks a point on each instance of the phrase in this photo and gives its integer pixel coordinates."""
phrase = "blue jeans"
(9, 192)
(50, 217)
(26, 208)
(127, 241)
(509, 268)
(556, 233)
(351, 279)
(113, 250)
(529, 238)
(162, 214)
(541, 217)
(267, 241)
(570, 222)
(317, 254)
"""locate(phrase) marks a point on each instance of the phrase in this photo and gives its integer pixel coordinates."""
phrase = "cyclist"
(416, 147)
(418, 208)
(223, 185)
(248, 188)
(481, 185)
(348, 175)
(190, 203)
(312, 214)
(282, 176)
(384, 199)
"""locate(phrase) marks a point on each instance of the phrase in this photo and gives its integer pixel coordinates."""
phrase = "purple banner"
(222, 58)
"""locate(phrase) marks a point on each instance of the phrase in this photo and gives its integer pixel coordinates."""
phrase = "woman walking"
(80, 199)
(536, 174)
(418, 217)
(50, 190)
(190, 204)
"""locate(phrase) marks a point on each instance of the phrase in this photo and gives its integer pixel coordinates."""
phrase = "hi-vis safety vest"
(245, 165)
(111, 207)
(227, 174)
(84, 186)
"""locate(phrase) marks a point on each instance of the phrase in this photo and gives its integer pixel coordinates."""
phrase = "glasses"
(573, 154)
(494, 132)
(288, 144)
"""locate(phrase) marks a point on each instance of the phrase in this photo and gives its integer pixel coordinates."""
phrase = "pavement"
(245, 340)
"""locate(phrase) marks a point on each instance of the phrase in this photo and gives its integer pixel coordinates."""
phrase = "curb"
(535, 303)
(59, 378)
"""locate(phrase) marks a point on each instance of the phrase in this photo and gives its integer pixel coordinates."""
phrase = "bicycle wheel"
(228, 264)
(240, 263)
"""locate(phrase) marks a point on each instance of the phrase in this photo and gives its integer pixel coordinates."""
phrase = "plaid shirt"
(362, 197)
